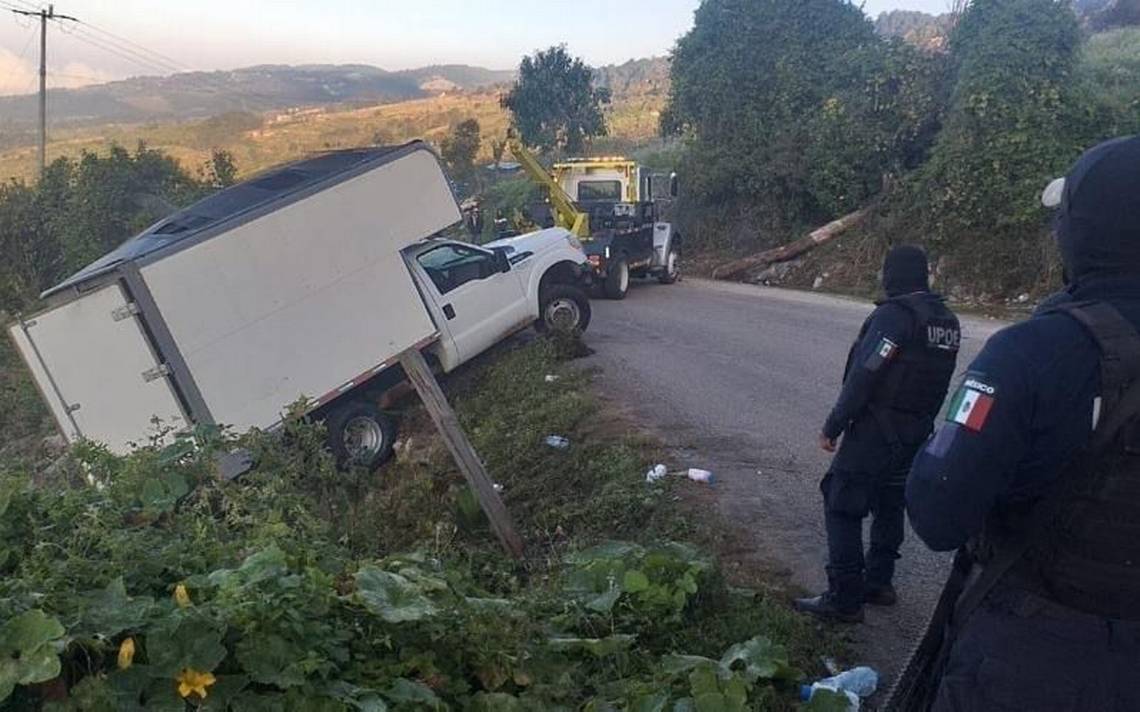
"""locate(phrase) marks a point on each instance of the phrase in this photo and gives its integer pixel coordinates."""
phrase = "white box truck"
(306, 281)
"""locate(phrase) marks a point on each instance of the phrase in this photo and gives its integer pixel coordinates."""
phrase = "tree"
(461, 147)
(794, 109)
(555, 104)
(82, 208)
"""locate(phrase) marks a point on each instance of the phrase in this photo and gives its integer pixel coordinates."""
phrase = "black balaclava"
(1098, 221)
(905, 271)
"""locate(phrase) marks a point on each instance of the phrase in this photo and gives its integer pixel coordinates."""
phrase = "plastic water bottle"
(855, 683)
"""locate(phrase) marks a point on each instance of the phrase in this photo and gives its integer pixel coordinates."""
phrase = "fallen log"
(793, 249)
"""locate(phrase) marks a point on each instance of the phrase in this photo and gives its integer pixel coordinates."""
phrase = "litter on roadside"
(658, 472)
(698, 475)
(557, 442)
(855, 684)
(550, 378)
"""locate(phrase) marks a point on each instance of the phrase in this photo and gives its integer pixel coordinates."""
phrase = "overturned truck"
(305, 282)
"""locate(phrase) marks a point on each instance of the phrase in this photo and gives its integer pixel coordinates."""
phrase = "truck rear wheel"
(672, 271)
(564, 308)
(360, 435)
(617, 280)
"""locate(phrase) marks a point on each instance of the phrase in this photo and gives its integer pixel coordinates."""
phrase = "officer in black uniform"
(1038, 468)
(895, 380)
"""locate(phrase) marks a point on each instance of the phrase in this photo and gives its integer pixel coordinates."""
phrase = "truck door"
(95, 369)
(480, 303)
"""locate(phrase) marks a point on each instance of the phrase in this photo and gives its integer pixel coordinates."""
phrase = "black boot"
(880, 595)
(825, 606)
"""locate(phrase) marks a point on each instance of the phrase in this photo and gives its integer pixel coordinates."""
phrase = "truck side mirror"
(673, 185)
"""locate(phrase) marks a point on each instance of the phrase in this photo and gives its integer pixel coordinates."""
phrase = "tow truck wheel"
(565, 309)
(672, 271)
(360, 435)
(617, 280)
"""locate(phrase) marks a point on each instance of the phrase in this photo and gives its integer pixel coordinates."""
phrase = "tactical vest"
(1080, 544)
(916, 381)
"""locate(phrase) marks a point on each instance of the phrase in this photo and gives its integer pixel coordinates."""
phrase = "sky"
(393, 34)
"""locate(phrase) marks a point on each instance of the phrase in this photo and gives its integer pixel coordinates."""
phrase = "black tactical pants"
(1021, 652)
(848, 498)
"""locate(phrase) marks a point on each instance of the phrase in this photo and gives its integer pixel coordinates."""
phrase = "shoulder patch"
(884, 351)
(972, 404)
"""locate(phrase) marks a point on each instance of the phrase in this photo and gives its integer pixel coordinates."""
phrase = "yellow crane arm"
(566, 214)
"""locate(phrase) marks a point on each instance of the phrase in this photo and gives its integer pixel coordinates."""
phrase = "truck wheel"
(360, 435)
(564, 308)
(617, 280)
(672, 271)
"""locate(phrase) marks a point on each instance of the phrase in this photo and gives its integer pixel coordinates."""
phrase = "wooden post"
(419, 373)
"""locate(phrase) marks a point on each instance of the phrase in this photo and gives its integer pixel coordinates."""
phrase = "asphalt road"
(738, 380)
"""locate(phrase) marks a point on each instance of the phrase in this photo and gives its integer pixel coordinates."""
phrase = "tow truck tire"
(617, 280)
(672, 270)
(563, 308)
(360, 435)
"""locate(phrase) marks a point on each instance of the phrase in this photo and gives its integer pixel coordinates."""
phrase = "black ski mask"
(1098, 220)
(905, 270)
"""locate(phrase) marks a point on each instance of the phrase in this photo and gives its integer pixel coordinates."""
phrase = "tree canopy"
(554, 102)
(82, 208)
(461, 147)
(795, 106)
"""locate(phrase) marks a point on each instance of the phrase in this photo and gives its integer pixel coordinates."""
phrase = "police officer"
(1038, 468)
(895, 380)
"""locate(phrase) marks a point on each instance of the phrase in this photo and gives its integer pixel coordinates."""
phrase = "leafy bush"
(144, 582)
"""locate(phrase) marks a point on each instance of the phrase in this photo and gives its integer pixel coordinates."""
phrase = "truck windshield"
(599, 190)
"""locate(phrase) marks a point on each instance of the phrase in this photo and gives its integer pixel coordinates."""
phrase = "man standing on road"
(893, 386)
(1038, 467)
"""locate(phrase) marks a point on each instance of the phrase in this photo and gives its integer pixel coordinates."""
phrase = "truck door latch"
(153, 374)
(449, 311)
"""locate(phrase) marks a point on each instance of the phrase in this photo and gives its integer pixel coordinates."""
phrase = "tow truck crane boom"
(566, 213)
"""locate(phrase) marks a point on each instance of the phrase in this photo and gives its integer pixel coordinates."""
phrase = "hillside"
(433, 99)
(193, 95)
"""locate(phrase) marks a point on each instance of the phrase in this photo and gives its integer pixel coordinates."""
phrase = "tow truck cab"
(627, 237)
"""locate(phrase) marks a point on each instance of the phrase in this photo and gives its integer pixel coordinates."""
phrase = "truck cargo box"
(288, 285)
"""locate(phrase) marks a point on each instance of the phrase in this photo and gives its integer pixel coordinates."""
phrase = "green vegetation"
(555, 103)
(83, 208)
(145, 582)
(793, 114)
(460, 149)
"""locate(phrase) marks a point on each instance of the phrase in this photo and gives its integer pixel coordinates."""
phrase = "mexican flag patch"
(884, 351)
(972, 405)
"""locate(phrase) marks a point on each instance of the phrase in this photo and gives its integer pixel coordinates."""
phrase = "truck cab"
(479, 295)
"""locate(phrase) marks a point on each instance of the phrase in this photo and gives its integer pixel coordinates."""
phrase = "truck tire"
(360, 435)
(617, 279)
(672, 270)
(563, 308)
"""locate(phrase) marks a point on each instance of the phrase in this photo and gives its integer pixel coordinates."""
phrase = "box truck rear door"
(97, 371)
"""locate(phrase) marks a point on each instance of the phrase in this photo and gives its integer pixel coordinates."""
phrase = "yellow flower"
(191, 681)
(182, 596)
(126, 653)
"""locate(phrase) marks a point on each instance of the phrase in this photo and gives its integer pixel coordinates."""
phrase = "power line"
(121, 52)
(144, 50)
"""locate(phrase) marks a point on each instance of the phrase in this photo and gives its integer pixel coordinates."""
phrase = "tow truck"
(608, 203)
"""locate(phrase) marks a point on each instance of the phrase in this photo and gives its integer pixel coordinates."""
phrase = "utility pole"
(44, 15)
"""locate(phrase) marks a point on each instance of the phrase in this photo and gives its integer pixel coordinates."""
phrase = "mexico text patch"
(972, 405)
(884, 351)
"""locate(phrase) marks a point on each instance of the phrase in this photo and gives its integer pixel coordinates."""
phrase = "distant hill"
(635, 77)
(262, 88)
